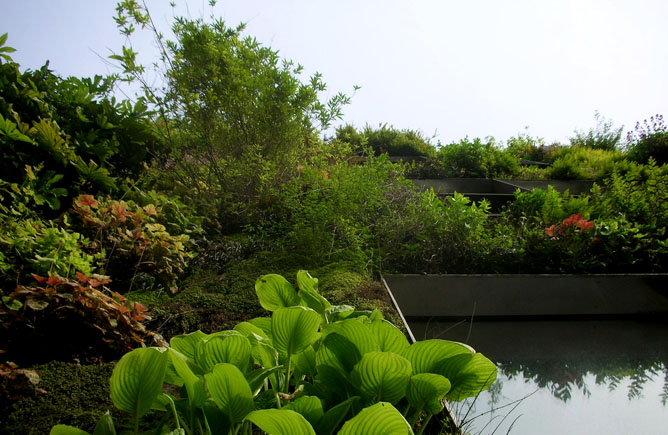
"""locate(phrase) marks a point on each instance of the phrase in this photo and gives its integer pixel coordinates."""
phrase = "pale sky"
(455, 68)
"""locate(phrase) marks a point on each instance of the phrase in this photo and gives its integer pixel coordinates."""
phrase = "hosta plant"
(309, 368)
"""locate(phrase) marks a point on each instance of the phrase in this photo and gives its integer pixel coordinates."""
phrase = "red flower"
(572, 220)
(585, 225)
(550, 230)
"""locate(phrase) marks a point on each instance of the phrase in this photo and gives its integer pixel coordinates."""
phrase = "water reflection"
(588, 377)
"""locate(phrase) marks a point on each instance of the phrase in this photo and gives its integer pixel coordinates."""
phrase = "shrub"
(63, 319)
(649, 140)
(386, 140)
(602, 137)
(476, 159)
(585, 163)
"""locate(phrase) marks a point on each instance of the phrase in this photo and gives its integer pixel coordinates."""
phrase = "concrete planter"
(512, 317)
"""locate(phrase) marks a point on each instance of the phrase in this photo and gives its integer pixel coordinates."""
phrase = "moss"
(75, 395)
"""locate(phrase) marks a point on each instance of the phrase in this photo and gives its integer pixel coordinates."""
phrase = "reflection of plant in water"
(560, 377)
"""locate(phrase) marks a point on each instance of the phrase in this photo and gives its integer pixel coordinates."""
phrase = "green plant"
(65, 318)
(603, 137)
(477, 159)
(648, 140)
(306, 369)
(386, 140)
(580, 162)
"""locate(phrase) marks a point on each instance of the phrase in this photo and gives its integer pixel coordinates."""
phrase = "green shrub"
(386, 140)
(579, 162)
(602, 137)
(477, 159)
(649, 140)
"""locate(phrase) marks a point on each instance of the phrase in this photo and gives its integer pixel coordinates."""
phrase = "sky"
(449, 69)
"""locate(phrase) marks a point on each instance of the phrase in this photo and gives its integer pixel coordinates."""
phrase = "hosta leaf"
(294, 329)
(230, 390)
(338, 352)
(389, 337)
(335, 415)
(105, 425)
(63, 429)
(137, 379)
(357, 332)
(308, 293)
(382, 376)
(187, 343)
(194, 384)
(426, 391)
(228, 347)
(308, 406)
(469, 374)
(264, 323)
(252, 332)
(280, 421)
(379, 419)
(425, 355)
(275, 292)
(304, 362)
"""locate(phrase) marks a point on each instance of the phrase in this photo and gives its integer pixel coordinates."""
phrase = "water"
(566, 377)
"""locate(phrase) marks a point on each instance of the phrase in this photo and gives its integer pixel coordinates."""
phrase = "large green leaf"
(357, 331)
(194, 384)
(335, 415)
(252, 332)
(264, 323)
(230, 390)
(137, 379)
(63, 429)
(225, 347)
(382, 376)
(294, 329)
(305, 363)
(425, 355)
(338, 352)
(308, 406)
(187, 343)
(388, 336)
(379, 419)
(308, 293)
(105, 425)
(275, 292)
(469, 374)
(426, 391)
(280, 421)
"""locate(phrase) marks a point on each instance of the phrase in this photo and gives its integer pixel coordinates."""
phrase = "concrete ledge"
(531, 296)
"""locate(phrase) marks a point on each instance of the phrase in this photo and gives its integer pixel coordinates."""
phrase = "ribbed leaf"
(426, 391)
(252, 332)
(389, 337)
(425, 355)
(137, 379)
(280, 421)
(194, 384)
(275, 292)
(469, 374)
(308, 406)
(187, 343)
(228, 347)
(304, 362)
(382, 376)
(357, 332)
(335, 415)
(338, 352)
(379, 419)
(63, 429)
(294, 329)
(230, 390)
(308, 293)
(264, 323)
(105, 425)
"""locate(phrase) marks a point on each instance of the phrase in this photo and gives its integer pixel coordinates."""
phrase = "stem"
(416, 417)
(286, 386)
(424, 424)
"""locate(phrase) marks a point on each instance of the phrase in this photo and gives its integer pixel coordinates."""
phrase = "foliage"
(61, 136)
(603, 137)
(310, 365)
(238, 119)
(386, 140)
(579, 162)
(649, 140)
(477, 159)
(123, 233)
(62, 318)
(526, 147)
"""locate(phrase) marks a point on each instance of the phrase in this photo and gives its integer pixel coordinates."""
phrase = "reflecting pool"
(558, 377)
